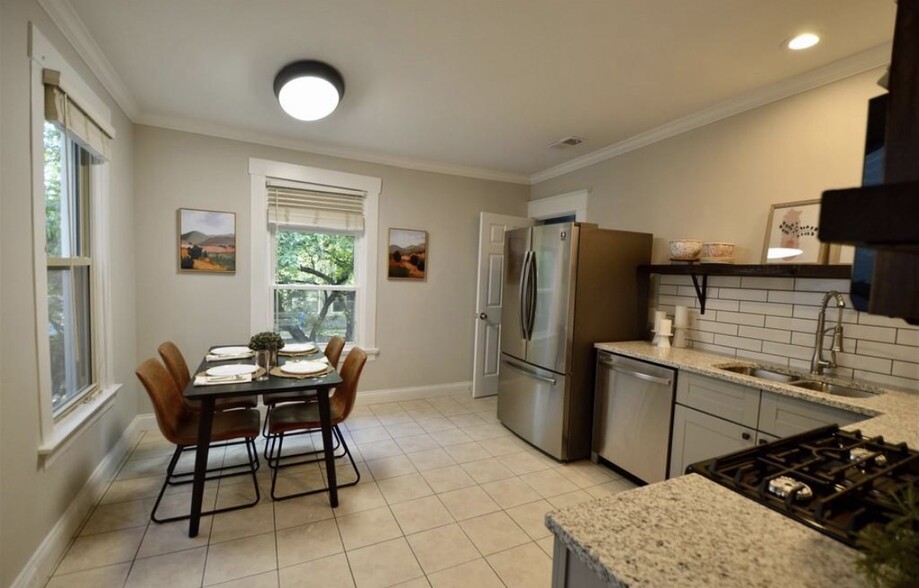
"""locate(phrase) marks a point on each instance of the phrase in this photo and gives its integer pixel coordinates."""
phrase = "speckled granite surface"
(690, 532)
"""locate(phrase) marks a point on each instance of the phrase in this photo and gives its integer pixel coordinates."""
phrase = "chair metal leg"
(274, 462)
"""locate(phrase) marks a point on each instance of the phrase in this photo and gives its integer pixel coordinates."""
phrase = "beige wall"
(32, 499)
(716, 183)
(424, 330)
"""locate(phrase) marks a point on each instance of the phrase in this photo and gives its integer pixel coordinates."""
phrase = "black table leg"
(325, 418)
(205, 420)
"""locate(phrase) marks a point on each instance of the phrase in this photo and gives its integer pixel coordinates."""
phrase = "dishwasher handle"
(634, 374)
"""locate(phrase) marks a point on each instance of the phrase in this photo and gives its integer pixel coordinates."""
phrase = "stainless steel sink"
(833, 389)
(758, 372)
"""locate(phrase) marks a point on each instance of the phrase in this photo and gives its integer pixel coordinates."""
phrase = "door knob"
(483, 316)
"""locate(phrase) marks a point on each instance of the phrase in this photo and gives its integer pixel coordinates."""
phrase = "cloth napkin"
(212, 357)
(206, 380)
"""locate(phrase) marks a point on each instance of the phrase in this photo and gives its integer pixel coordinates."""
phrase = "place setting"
(228, 353)
(302, 369)
(228, 374)
(298, 349)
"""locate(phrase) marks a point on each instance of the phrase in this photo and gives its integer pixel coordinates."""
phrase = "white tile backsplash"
(774, 320)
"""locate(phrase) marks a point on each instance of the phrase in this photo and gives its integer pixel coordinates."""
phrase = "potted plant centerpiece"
(266, 346)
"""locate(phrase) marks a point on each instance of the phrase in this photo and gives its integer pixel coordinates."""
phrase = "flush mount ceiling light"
(309, 90)
(803, 41)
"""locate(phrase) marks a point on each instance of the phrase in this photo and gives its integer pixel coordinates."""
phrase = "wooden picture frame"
(407, 255)
(791, 229)
(206, 241)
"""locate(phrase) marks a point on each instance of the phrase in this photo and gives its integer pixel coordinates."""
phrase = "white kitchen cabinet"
(698, 436)
(763, 438)
(726, 400)
(783, 416)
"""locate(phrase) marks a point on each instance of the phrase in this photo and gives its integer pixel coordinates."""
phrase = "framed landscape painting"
(408, 254)
(207, 241)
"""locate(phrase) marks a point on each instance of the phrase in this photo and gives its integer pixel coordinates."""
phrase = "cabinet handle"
(745, 436)
(763, 441)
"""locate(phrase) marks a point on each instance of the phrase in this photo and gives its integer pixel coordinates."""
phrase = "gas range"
(838, 482)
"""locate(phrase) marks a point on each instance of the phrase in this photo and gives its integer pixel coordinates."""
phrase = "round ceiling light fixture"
(802, 41)
(309, 90)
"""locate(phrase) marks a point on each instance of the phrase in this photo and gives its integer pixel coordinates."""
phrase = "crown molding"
(843, 68)
(227, 132)
(75, 31)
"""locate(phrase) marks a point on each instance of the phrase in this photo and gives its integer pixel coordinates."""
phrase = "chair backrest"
(333, 350)
(168, 405)
(175, 363)
(346, 392)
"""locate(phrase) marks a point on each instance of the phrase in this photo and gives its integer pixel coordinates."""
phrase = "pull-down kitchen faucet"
(817, 362)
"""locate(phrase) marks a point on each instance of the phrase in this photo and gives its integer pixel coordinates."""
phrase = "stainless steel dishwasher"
(632, 415)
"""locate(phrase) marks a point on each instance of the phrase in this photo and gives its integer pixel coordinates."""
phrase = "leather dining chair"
(178, 369)
(303, 418)
(179, 425)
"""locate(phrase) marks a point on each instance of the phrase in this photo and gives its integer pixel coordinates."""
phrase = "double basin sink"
(798, 380)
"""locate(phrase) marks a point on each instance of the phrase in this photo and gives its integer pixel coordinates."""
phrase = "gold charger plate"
(277, 371)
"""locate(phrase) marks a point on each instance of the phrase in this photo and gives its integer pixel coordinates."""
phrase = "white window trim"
(261, 264)
(553, 206)
(57, 435)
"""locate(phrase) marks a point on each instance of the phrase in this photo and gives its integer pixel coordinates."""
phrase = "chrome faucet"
(817, 362)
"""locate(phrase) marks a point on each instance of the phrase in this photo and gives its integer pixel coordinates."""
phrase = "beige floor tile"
(406, 429)
(494, 532)
(489, 431)
(487, 470)
(368, 527)
(358, 498)
(171, 537)
(301, 510)
(532, 518)
(431, 459)
(390, 467)
(241, 523)
(425, 413)
(358, 422)
(464, 421)
(466, 452)
(153, 466)
(417, 443)
(326, 572)
(421, 582)
(404, 488)
(133, 489)
(435, 423)
(174, 505)
(307, 542)
(107, 577)
(585, 474)
(379, 449)
(442, 548)
(449, 478)
(240, 558)
(384, 564)
(523, 462)
(101, 549)
(395, 418)
(421, 514)
(384, 408)
(548, 483)
(176, 570)
(547, 544)
(451, 437)
(504, 446)
(570, 499)
(526, 566)
(266, 580)
(610, 488)
(344, 472)
(475, 573)
(370, 435)
(511, 492)
(468, 502)
(120, 515)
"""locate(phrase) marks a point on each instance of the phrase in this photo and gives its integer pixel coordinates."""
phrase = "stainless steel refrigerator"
(566, 287)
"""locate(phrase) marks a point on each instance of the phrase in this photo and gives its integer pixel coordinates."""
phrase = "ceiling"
(479, 86)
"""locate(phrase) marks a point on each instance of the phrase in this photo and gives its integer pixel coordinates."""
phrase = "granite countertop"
(690, 531)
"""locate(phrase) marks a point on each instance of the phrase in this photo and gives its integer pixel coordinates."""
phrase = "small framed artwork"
(791, 234)
(207, 241)
(408, 254)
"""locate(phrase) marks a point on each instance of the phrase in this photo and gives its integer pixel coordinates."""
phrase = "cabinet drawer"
(698, 436)
(783, 416)
(733, 402)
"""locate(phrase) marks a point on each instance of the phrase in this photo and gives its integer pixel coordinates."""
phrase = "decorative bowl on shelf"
(685, 249)
(717, 250)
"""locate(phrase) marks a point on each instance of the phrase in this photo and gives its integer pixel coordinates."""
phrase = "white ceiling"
(484, 84)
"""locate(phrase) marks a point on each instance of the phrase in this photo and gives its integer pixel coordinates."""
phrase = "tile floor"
(448, 498)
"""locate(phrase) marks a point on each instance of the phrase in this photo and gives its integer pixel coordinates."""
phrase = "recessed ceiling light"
(309, 90)
(803, 41)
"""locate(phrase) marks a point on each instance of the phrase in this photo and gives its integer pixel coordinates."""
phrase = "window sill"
(372, 352)
(65, 432)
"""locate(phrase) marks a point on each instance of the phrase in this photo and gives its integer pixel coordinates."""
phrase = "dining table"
(208, 394)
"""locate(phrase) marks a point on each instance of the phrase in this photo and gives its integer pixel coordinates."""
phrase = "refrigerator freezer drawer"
(531, 403)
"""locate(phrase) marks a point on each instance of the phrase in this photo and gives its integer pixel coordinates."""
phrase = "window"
(313, 243)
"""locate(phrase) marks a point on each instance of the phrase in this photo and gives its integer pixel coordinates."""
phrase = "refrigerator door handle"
(528, 372)
(531, 307)
(523, 295)
(639, 375)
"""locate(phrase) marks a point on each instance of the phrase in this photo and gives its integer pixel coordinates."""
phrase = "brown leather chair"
(303, 418)
(179, 425)
(178, 369)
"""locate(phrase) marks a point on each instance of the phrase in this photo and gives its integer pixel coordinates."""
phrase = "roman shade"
(75, 119)
(297, 205)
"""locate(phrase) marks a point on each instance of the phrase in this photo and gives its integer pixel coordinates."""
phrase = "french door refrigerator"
(566, 287)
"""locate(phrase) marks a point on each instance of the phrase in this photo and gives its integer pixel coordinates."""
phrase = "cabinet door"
(733, 402)
(763, 438)
(698, 436)
(783, 416)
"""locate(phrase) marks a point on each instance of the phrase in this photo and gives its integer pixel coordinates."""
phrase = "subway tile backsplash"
(774, 319)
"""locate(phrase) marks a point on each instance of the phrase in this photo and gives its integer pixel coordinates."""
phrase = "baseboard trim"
(40, 566)
(413, 392)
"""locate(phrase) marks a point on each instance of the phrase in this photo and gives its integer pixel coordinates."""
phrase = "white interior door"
(488, 299)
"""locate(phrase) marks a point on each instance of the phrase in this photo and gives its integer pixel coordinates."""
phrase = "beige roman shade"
(63, 110)
(313, 206)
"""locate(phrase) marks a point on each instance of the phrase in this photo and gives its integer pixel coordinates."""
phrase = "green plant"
(266, 340)
(891, 552)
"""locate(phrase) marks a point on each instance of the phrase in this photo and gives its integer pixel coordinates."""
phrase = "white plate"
(298, 347)
(230, 350)
(304, 367)
(235, 369)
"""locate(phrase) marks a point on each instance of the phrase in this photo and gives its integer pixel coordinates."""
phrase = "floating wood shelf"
(695, 270)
